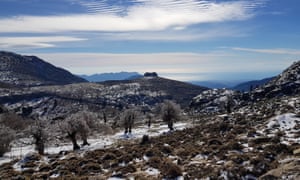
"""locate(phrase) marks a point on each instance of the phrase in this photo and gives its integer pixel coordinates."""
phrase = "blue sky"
(180, 39)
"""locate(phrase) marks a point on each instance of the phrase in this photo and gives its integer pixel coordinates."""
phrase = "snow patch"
(152, 171)
(285, 121)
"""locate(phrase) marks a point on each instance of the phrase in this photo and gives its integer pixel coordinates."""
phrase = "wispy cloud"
(142, 15)
(96, 6)
(269, 51)
(35, 42)
(191, 34)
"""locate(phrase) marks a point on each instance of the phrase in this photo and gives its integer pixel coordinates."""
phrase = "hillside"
(31, 71)
(179, 91)
(51, 102)
(286, 83)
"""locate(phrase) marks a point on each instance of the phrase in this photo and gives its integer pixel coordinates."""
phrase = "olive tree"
(170, 112)
(128, 117)
(78, 124)
(39, 135)
(6, 137)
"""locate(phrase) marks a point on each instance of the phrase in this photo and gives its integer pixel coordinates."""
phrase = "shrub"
(155, 162)
(171, 170)
(145, 140)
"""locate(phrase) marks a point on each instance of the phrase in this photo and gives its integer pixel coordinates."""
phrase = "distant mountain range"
(243, 86)
(111, 76)
(21, 70)
(211, 84)
(247, 86)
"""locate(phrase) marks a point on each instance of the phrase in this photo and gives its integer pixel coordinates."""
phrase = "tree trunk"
(85, 142)
(104, 117)
(74, 141)
(170, 125)
(40, 146)
(149, 122)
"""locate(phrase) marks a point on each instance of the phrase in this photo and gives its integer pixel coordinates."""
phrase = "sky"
(188, 40)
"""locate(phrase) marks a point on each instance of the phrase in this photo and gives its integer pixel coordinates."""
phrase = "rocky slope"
(286, 83)
(31, 71)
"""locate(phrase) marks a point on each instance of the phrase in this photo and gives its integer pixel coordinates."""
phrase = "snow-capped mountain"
(21, 70)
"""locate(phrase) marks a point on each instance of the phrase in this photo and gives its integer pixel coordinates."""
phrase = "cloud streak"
(35, 42)
(269, 51)
(142, 15)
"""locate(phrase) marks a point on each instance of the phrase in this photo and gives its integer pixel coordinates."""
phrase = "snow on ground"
(96, 143)
(287, 123)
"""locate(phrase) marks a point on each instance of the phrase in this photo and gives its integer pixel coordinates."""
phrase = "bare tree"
(104, 117)
(170, 112)
(128, 117)
(39, 135)
(149, 117)
(6, 137)
(87, 123)
(228, 103)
